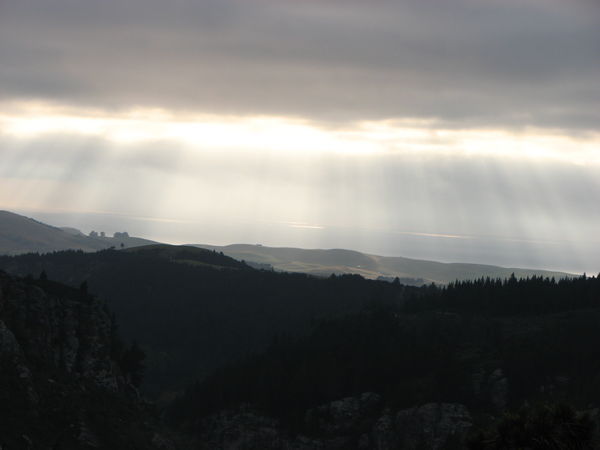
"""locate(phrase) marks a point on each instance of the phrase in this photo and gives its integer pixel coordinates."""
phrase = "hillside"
(193, 310)
(188, 255)
(435, 373)
(20, 234)
(285, 360)
(64, 382)
(410, 271)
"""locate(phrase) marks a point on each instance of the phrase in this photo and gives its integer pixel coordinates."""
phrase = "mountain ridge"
(324, 262)
(20, 234)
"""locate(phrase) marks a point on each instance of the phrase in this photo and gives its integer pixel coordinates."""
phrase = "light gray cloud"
(466, 63)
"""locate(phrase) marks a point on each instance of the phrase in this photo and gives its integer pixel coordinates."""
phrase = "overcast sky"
(446, 129)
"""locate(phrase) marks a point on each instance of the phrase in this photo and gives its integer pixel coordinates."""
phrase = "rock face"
(431, 426)
(246, 429)
(491, 387)
(59, 386)
(350, 423)
(346, 416)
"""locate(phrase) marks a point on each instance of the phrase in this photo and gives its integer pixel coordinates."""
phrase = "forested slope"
(487, 345)
(193, 310)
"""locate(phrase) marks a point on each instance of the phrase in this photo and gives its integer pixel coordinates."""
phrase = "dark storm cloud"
(462, 62)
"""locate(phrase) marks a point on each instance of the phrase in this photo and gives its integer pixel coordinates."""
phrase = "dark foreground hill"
(438, 372)
(285, 360)
(20, 234)
(193, 310)
(63, 381)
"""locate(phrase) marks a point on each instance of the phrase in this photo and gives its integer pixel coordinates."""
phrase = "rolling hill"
(20, 234)
(338, 261)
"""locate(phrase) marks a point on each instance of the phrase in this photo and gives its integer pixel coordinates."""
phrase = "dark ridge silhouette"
(193, 310)
(487, 345)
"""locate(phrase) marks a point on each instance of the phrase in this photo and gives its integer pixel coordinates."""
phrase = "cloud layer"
(459, 130)
(464, 63)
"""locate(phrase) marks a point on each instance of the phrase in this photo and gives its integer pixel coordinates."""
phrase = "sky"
(453, 130)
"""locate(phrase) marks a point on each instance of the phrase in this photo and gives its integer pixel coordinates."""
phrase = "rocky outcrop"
(68, 335)
(349, 423)
(431, 426)
(491, 387)
(59, 385)
(247, 429)
(346, 416)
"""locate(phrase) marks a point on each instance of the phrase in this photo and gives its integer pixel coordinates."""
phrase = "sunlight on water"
(389, 187)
